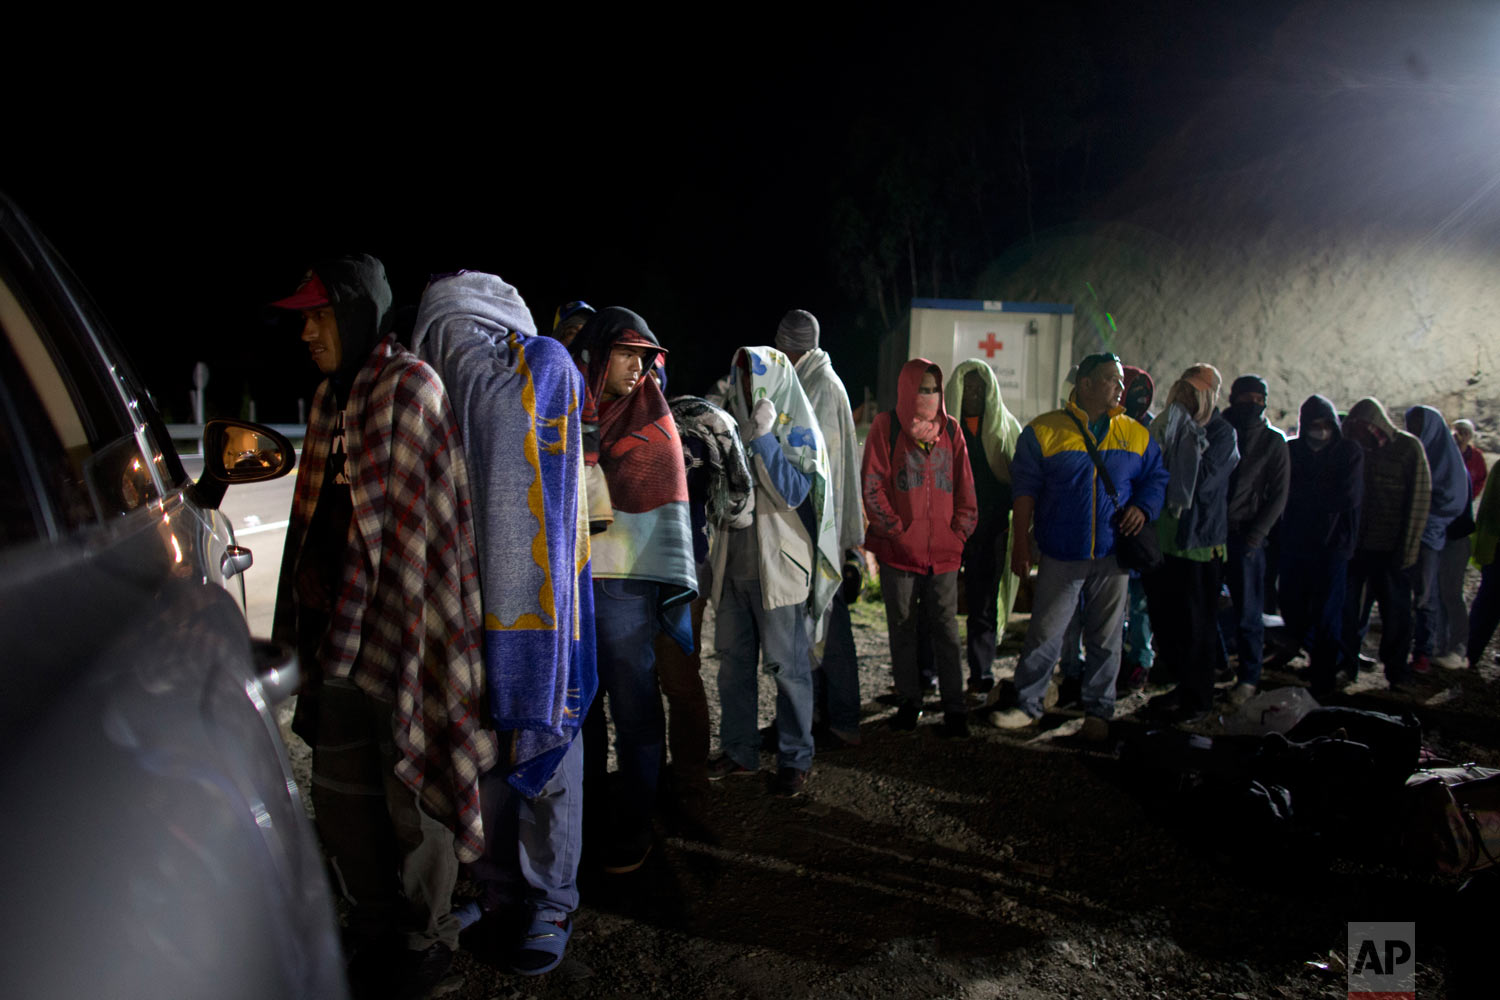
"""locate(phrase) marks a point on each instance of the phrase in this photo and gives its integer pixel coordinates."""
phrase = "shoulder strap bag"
(1141, 551)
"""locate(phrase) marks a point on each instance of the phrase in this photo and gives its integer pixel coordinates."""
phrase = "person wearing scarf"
(990, 434)
(644, 573)
(1440, 617)
(517, 398)
(919, 498)
(379, 592)
(836, 680)
(773, 579)
(1200, 452)
(1257, 495)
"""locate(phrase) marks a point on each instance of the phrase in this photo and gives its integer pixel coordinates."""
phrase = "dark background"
(710, 176)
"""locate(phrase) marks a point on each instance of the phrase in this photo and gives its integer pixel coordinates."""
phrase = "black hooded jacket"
(1327, 486)
(361, 300)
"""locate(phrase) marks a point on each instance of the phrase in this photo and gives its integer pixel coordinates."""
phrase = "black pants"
(1378, 577)
(1182, 598)
(984, 566)
(1484, 615)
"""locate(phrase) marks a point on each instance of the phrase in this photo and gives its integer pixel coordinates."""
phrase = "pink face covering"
(923, 426)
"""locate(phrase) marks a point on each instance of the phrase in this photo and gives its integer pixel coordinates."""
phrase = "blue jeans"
(1424, 601)
(1453, 614)
(625, 626)
(838, 674)
(1243, 624)
(743, 630)
(1059, 585)
(531, 846)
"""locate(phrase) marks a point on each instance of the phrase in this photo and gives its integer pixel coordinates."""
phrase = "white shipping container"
(1027, 344)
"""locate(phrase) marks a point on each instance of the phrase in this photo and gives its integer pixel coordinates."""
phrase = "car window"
(78, 434)
(164, 455)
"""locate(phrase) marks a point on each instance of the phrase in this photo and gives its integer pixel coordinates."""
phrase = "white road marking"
(256, 529)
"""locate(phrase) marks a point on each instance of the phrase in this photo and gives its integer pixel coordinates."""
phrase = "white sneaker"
(1451, 661)
(1012, 718)
(1241, 693)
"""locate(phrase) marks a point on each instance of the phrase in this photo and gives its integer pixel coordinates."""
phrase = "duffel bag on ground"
(1453, 819)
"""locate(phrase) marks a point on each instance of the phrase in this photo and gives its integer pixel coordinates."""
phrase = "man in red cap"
(379, 592)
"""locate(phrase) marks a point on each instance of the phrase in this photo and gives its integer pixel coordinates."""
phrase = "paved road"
(258, 512)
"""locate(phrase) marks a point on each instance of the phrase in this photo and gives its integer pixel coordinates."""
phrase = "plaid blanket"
(406, 621)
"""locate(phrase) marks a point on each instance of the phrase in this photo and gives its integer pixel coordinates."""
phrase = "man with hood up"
(1451, 493)
(990, 435)
(919, 496)
(771, 577)
(837, 682)
(379, 591)
(1054, 479)
(1257, 495)
(1200, 453)
(569, 319)
(645, 575)
(1393, 515)
(517, 397)
(1319, 528)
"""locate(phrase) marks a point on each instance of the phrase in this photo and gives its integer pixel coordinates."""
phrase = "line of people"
(497, 538)
(503, 543)
(1352, 512)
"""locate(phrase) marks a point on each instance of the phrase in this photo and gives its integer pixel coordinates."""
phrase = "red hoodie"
(920, 501)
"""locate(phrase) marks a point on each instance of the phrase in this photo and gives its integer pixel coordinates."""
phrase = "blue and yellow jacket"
(1073, 509)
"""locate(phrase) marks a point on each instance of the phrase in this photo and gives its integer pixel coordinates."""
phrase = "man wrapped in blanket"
(518, 398)
(379, 593)
(644, 574)
(773, 579)
(836, 682)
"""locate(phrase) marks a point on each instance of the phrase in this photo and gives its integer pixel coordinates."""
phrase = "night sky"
(709, 177)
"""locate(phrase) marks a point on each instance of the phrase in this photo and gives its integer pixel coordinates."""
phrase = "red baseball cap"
(309, 295)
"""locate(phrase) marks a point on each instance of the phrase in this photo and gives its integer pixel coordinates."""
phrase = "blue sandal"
(542, 946)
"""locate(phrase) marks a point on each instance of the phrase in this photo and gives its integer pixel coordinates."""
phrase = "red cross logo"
(989, 345)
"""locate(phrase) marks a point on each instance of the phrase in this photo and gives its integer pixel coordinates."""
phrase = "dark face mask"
(1244, 416)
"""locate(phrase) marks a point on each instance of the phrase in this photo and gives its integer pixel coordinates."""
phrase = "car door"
(156, 843)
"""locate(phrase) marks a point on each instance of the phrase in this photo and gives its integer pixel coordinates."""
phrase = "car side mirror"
(237, 451)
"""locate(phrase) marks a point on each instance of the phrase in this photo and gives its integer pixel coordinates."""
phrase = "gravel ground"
(1001, 866)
